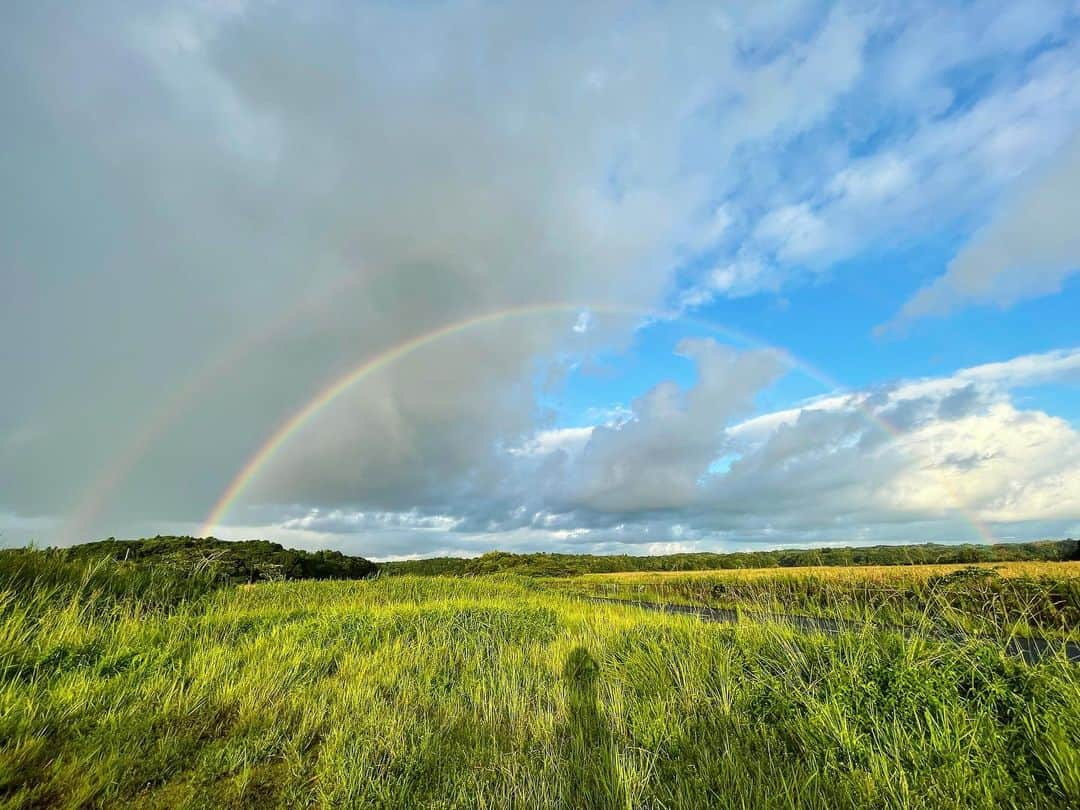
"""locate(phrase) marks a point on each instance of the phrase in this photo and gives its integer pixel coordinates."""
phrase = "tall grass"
(1007, 599)
(39, 580)
(498, 692)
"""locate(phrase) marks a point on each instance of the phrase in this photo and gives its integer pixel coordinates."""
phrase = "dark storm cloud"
(183, 179)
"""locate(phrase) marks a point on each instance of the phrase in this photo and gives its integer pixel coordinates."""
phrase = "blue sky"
(218, 209)
(830, 324)
(836, 311)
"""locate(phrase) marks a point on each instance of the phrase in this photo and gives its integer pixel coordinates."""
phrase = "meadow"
(999, 600)
(498, 691)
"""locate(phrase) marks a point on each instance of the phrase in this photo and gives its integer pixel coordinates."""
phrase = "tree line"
(566, 565)
(246, 561)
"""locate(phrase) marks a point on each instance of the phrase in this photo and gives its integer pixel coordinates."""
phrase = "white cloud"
(952, 445)
(1004, 465)
(872, 180)
(1027, 250)
(793, 233)
(715, 227)
(991, 379)
(656, 459)
(341, 521)
(744, 275)
(546, 442)
(941, 158)
(1058, 366)
(940, 450)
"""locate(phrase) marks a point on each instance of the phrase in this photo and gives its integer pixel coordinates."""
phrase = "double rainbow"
(372, 365)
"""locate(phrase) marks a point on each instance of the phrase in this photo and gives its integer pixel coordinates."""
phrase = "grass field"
(861, 573)
(501, 692)
(999, 600)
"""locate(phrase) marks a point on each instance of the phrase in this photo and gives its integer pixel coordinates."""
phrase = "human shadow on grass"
(589, 747)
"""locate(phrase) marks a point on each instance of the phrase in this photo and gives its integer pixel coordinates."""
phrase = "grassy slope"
(494, 692)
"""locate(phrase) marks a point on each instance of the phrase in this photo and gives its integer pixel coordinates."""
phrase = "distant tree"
(240, 561)
(562, 565)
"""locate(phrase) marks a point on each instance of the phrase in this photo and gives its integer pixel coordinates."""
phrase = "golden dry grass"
(869, 573)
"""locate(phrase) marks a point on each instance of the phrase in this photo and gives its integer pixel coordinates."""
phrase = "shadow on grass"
(593, 775)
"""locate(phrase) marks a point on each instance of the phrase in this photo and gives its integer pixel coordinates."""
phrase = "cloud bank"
(215, 210)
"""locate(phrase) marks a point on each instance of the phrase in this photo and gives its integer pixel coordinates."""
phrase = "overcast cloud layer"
(213, 210)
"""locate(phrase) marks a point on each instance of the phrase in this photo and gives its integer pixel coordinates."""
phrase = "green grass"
(1027, 599)
(500, 692)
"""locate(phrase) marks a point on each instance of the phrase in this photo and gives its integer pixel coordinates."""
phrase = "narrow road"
(1031, 648)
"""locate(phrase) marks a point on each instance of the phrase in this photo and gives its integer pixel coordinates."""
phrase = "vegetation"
(39, 580)
(256, 560)
(236, 561)
(568, 565)
(1006, 599)
(177, 566)
(499, 691)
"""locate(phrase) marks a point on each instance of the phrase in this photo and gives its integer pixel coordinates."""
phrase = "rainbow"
(368, 367)
(95, 497)
(372, 365)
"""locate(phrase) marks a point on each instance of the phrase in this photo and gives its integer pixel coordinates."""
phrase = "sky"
(413, 279)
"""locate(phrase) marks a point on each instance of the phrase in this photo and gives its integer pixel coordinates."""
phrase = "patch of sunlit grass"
(499, 692)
